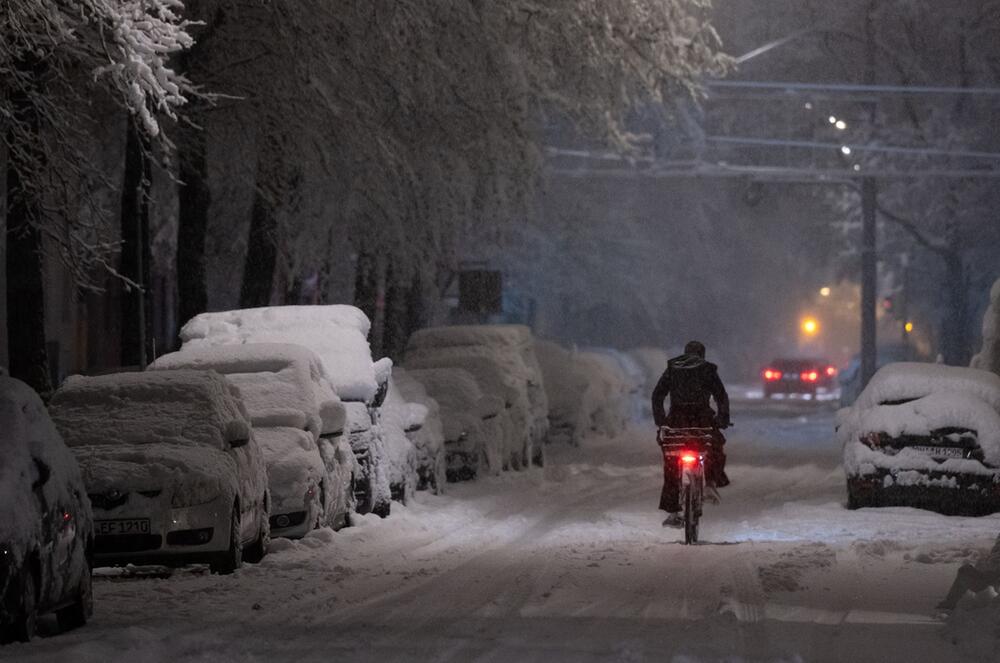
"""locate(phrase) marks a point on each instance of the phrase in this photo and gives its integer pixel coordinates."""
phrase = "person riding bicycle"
(690, 381)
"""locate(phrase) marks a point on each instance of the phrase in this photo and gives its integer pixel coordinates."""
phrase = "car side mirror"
(383, 391)
(44, 473)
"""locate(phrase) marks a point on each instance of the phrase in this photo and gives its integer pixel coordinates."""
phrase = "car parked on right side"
(925, 436)
(46, 527)
(171, 466)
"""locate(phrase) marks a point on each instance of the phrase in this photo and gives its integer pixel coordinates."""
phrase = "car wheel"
(76, 615)
(538, 455)
(27, 622)
(232, 559)
(258, 549)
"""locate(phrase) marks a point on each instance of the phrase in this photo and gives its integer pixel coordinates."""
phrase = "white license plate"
(941, 452)
(124, 526)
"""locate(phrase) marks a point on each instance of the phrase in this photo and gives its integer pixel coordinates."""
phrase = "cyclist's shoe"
(712, 494)
(674, 520)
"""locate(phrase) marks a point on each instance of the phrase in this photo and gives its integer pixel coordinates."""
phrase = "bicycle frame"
(687, 448)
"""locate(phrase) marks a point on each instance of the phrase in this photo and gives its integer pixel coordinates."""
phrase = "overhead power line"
(854, 147)
(792, 86)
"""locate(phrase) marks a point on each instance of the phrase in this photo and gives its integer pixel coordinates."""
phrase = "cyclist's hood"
(688, 362)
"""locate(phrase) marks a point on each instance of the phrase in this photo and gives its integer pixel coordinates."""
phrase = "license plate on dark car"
(941, 452)
(123, 526)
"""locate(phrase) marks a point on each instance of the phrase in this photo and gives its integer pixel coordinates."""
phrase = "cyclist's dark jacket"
(690, 381)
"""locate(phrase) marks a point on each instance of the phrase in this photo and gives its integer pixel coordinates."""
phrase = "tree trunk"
(27, 352)
(395, 330)
(135, 255)
(955, 332)
(194, 198)
(262, 248)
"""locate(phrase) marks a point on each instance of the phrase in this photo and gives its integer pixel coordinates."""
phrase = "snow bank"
(281, 384)
(988, 358)
(28, 433)
(337, 334)
(909, 380)
(183, 407)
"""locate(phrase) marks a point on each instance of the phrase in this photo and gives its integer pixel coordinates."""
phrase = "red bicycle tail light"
(689, 458)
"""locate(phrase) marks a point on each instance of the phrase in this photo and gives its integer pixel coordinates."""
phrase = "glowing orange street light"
(810, 327)
(908, 327)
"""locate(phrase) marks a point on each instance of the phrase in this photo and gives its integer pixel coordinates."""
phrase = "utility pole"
(869, 226)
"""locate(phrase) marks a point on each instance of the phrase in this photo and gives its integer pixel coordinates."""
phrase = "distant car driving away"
(171, 466)
(798, 376)
(925, 436)
(46, 533)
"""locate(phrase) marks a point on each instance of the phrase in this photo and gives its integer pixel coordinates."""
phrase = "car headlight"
(185, 498)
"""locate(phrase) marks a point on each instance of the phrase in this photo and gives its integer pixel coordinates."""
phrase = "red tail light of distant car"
(772, 374)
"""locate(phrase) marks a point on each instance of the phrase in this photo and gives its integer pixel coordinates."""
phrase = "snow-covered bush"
(988, 358)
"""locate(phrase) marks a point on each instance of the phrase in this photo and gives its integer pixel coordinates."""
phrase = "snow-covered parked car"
(514, 418)
(577, 397)
(926, 436)
(46, 530)
(298, 421)
(652, 361)
(171, 466)
(512, 347)
(338, 335)
(397, 419)
(633, 379)
(372, 484)
(425, 430)
(473, 434)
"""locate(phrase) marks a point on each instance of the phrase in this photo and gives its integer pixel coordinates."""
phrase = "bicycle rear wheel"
(690, 515)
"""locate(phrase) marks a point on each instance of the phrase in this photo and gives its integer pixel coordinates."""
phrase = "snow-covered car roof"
(282, 384)
(177, 407)
(338, 334)
(28, 434)
(463, 335)
(488, 368)
(911, 380)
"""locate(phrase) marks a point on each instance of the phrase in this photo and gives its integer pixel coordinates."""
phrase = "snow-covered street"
(571, 563)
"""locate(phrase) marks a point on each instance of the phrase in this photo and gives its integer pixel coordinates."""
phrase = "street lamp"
(810, 326)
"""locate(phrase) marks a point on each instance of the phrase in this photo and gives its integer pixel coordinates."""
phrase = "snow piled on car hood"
(200, 474)
(176, 407)
(338, 334)
(910, 380)
(28, 433)
(920, 417)
(293, 465)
